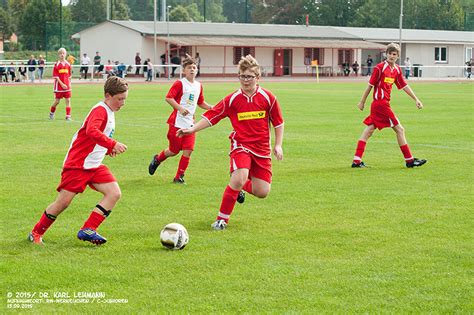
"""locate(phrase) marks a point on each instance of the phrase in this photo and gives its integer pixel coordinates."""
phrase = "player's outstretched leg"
(361, 144)
(182, 166)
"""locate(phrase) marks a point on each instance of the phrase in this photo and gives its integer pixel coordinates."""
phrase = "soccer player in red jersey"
(83, 166)
(62, 84)
(250, 110)
(183, 96)
(381, 115)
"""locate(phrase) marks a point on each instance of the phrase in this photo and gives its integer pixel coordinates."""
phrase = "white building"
(280, 49)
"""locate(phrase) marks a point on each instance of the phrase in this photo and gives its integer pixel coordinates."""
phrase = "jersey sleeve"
(175, 89)
(400, 81)
(217, 113)
(375, 77)
(55, 71)
(275, 114)
(201, 97)
(95, 127)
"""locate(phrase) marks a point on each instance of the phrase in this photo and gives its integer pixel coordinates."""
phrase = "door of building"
(287, 61)
(278, 62)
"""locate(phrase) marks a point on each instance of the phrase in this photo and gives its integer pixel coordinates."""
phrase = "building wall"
(113, 42)
(424, 54)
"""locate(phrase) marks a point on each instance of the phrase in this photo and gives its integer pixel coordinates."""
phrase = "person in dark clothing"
(175, 61)
(138, 62)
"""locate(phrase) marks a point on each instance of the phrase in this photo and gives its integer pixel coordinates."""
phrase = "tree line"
(30, 19)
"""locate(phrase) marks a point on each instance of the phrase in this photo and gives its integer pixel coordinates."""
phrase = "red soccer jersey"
(188, 95)
(250, 117)
(62, 71)
(383, 78)
(93, 140)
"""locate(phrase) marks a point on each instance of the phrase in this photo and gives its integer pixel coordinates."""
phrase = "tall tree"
(32, 25)
(142, 10)
(6, 24)
(95, 11)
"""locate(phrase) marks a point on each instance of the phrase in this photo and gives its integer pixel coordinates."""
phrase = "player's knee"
(114, 195)
(261, 192)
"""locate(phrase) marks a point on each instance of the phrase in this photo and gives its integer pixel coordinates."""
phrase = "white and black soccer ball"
(174, 236)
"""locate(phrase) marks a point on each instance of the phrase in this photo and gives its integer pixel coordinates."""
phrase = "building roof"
(385, 35)
(275, 35)
(268, 42)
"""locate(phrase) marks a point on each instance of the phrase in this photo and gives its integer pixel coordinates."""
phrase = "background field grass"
(328, 238)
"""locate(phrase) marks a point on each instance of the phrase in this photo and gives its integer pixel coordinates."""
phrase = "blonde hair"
(393, 47)
(62, 49)
(115, 85)
(249, 63)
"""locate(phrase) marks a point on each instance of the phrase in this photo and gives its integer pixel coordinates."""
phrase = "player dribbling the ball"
(251, 110)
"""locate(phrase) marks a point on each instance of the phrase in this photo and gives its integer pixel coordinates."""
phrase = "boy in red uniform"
(83, 166)
(183, 96)
(62, 84)
(381, 116)
(250, 110)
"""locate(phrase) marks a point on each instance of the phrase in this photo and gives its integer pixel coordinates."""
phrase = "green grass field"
(328, 238)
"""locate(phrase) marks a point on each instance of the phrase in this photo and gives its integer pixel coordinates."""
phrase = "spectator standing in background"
(32, 68)
(138, 62)
(41, 64)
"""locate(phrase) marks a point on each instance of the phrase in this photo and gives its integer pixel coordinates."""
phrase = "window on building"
(311, 54)
(441, 54)
(345, 56)
(469, 53)
(240, 52)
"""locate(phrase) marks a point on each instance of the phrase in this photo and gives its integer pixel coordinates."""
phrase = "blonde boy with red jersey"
(381, 115)
(62, 84)
(184, 96)
(83, 166)
(251, 110)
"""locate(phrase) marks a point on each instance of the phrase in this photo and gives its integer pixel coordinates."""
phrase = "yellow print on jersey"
(63, 71)
(251, 115)
(389, 80)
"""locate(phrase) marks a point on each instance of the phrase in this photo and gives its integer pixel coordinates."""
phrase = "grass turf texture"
(328, 238)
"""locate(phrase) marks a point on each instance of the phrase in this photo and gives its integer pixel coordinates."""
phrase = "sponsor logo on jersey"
(63, 71)
(389, 80)
(251, 115)
(191, 99)
(111, 133)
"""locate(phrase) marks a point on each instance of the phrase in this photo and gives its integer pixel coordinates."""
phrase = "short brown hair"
(393, 47)
(188, 60)
(249, 63)
(115, 85)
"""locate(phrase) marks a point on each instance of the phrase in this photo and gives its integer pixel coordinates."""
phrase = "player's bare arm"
(183, 111)
(205, 106)
(410, 93)
(361, 104)
(278, 150)
(200, 125)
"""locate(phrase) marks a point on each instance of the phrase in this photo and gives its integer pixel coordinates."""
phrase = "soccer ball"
(174, 236)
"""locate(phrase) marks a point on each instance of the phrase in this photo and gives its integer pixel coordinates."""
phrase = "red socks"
(183, 165)
(68, 111)
(161, 157)
(248, 186)
(228, 202)
(44, 223)
(52, 109)
(95, 219)
(406, 153)
(359, 151)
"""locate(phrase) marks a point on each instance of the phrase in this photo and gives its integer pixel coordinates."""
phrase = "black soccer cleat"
(358, 165)
(241, 197)
(415, 163)
(179, 180)
(153, 165)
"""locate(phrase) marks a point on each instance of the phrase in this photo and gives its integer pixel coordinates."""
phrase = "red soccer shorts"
(77, 180)
(59, 95)
(177, 144)
(381, 115)
(258, 167)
